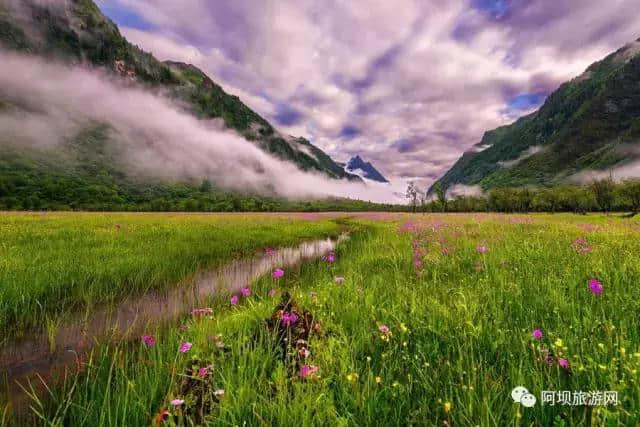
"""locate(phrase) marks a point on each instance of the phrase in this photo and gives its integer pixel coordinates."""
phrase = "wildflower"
(203, 372)
(304, 353)
(558, 342)
(308, 371)
(177, 402)
(234, 300)
(272, 293)
(482, 249)
(149, 340)
(403, 327)
(445, 251)
(185, 346)
(162, 415)
(378, 380)
(220, 344)
(595, 286)
(245, 292)
(537, 334)
(270, 251)
(331, 257)
(219, 393)
(447, 407)
(289, 318)
(277, 273)
(601, 346)
(339, 280)
(385, 332)
(352, 377)
(564, 363)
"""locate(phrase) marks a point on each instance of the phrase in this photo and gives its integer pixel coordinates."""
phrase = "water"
(52, 351)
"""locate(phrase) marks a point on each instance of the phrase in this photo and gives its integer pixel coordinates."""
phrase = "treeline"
(603, 195)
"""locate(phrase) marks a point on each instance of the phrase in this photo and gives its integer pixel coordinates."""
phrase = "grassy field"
(436, 320)
(56, 262)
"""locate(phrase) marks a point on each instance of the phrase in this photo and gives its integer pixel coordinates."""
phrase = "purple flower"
(245, 292)
(149, 340)
(177, 402)
(307, 371)
(185, 346)
(203, 372)
(595, 286)
(234, 300)
(331, 257)
(482, 249)
(289, 318)
(277, 273)
(564, 363)
(272, 293)
(537, 334)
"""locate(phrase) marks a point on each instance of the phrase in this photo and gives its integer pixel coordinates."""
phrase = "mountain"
(75, 32)
(364, 169)
(591, 123)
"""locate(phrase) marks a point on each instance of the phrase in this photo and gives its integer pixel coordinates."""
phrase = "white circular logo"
(521, 395)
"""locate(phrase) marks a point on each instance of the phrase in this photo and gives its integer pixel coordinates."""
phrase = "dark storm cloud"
(409, 85)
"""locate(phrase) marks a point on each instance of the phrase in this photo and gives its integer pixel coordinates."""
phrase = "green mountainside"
(84, 175)
(589, 123)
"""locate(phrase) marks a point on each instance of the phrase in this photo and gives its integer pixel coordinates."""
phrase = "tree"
(412, 195)
(603, 191)
(630, 190)
(441, 194)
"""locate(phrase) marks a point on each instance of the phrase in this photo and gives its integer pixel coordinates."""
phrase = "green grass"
(54, 263)
(460, 335)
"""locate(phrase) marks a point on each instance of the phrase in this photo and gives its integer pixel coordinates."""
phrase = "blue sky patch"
(124, 16)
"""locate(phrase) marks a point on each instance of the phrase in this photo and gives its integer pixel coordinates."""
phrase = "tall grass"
(52, 263)
(460, 338)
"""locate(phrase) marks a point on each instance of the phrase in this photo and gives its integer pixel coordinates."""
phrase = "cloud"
(154, 138)
(461, 190)
(418, 73)
(534, 149)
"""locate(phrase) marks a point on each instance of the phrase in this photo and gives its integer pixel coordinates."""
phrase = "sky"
(408, 85)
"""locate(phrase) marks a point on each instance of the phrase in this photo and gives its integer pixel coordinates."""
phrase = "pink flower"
(339, 280)
(185, 346)
(177, 402)
(246, 292)
(272, 293)
(289, 318)
(149, 340)
(203, 372)
(331, 257)
(595, 286)
(482, 249)
(537, 334)
(308, 371)
(234, 300)
(384, 329)
(270, 251)
(277, 273)
(564, 363)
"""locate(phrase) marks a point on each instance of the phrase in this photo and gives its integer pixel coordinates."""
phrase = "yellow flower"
(403, 327)
(395, 384)
(558, 342)
(601, 346)
(623, 351)
(447, 407)
(378, 380)
(352, 377)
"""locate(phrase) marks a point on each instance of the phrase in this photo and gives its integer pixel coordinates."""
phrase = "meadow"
(53, 263)
(415, 320)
